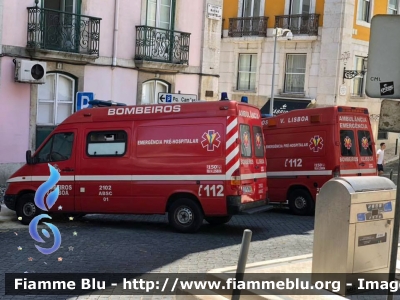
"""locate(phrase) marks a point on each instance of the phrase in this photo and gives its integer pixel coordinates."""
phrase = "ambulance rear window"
(364, 143)
(347, 143)
(258, 141)
(245, 140)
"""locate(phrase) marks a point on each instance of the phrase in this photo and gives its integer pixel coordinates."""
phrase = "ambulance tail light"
(235, 178)
(336, 171)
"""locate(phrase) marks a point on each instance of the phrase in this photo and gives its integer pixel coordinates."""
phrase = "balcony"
(248, 26)
(162, 45)
(299, 24)
(61, 31)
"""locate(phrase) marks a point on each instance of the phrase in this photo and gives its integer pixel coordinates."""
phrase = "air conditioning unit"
(29, 71)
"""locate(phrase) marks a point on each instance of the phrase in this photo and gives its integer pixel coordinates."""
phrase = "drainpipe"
(115, 37)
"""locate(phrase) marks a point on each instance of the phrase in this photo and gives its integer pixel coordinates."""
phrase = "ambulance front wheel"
(185, 216)
(301, 202)
(26, 209)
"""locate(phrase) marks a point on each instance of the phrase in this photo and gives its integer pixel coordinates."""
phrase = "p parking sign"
(82, 100)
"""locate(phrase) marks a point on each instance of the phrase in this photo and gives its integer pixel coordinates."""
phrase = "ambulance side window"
(347, 143)
(106, 143)
(364, 143)
(245, 140)
(57, 148)
(258, 141)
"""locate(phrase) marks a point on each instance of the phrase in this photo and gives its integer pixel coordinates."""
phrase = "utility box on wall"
(353, 229)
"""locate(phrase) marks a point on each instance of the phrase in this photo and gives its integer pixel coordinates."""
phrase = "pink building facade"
(122, 50)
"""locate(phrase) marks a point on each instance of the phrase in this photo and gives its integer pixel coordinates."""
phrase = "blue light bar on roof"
(102, 103)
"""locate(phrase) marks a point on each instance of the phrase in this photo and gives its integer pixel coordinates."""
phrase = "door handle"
(67, 170)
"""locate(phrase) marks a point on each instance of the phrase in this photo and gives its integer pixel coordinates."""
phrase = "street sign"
(166, 98)
(214, 11)
(82, 100)
(383, 73)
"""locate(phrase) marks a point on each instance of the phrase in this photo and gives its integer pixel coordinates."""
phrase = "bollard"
(391, 174)
(241, 266)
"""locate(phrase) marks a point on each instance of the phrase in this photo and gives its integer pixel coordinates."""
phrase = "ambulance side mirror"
(28, 156)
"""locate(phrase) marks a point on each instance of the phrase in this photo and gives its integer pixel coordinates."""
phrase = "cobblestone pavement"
(141, 244)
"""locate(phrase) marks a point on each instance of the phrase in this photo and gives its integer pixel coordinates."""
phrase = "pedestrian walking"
(380, 158)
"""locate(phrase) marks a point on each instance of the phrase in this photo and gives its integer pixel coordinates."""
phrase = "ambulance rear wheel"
(26, 209)
(301, 202)
(185, 216)
(218, 220)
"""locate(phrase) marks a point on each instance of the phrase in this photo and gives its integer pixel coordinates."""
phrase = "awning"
(284, 105)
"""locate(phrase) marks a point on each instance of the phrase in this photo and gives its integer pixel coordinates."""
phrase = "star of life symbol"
(364, 143)
(347, 142)
(246, 139)
(258, 140)
(316, 143)
(211, 140)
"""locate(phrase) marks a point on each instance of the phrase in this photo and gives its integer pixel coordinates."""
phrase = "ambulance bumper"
(235, 207)
(10, 201)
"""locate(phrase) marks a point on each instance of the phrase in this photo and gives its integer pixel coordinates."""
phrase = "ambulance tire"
(301, 202)
(26, 208)
(218, 220)
(180, 211)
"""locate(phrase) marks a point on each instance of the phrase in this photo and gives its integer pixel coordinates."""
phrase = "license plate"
(247, 189)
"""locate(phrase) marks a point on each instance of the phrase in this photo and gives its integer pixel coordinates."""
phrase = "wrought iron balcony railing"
(61, 31)
(162, 45)
(248, 26)
(299, 24)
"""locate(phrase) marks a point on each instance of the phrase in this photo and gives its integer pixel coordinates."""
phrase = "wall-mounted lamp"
(350, 74)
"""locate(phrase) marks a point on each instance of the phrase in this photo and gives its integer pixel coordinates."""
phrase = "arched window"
(150, 90)
(55, 99)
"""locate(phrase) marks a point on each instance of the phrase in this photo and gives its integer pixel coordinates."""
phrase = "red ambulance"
(307, 147)
(194, 161)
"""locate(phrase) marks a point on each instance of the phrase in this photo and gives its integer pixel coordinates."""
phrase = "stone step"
(209, 295)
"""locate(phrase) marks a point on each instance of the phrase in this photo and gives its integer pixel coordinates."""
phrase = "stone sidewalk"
(390, 155)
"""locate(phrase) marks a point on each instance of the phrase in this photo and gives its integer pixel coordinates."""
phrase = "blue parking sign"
(169, 98)
(82, 100)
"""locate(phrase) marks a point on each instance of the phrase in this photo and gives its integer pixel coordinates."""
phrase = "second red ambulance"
(307, 147)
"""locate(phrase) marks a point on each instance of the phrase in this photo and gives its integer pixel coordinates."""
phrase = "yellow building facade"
(320, 61)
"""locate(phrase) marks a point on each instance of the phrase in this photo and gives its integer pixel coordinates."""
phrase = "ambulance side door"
(103, 179)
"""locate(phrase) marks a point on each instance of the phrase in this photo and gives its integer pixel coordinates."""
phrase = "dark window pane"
(365, 143)
(347, 143)
(258, 141)
(245, 140)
